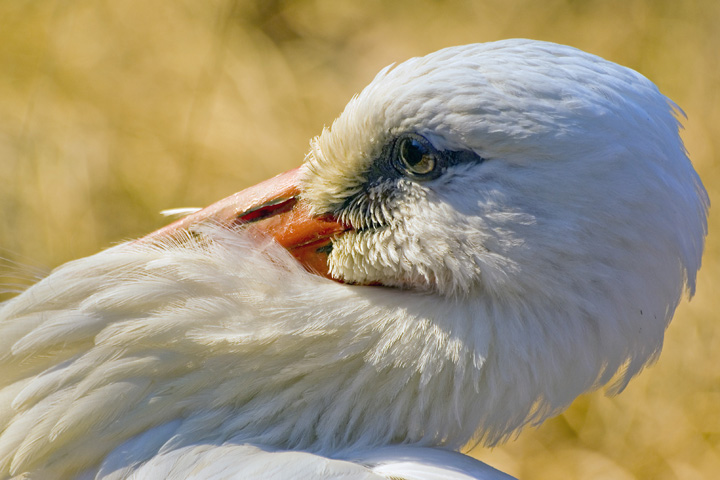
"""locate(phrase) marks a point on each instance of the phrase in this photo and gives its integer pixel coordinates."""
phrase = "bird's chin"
(354, 259)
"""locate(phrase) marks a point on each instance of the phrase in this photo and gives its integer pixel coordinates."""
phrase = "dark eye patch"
(403, 157)
(406, 156)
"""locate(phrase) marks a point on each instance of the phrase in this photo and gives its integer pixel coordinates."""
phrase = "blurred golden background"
(111, 111)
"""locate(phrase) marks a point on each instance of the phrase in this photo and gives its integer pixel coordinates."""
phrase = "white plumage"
(533, 245)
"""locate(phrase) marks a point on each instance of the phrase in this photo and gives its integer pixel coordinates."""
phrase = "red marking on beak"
(272, 208)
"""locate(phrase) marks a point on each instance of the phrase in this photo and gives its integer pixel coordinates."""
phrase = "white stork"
(482, 235)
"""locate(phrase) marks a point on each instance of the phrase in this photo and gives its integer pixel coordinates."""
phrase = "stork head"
(544, 185)
(513, 169)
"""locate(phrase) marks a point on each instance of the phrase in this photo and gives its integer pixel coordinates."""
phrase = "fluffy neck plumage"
(203, 338)
(232, 340)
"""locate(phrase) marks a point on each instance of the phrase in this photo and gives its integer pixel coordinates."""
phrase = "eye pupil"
(416, 157)
(412, 152)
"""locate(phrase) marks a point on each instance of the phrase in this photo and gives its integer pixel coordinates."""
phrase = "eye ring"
(414, 156)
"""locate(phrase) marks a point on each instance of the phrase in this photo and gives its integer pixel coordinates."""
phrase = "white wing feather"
(221, 462)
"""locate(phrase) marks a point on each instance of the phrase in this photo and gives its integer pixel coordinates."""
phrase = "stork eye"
(415, 156)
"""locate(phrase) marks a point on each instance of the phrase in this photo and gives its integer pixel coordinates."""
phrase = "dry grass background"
(113, 110)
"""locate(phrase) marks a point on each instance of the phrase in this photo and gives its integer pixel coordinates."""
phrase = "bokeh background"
(111, 111)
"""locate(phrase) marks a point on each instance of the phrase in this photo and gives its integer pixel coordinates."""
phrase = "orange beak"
(271, 208)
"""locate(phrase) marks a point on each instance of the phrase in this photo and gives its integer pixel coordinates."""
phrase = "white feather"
(179, 212)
